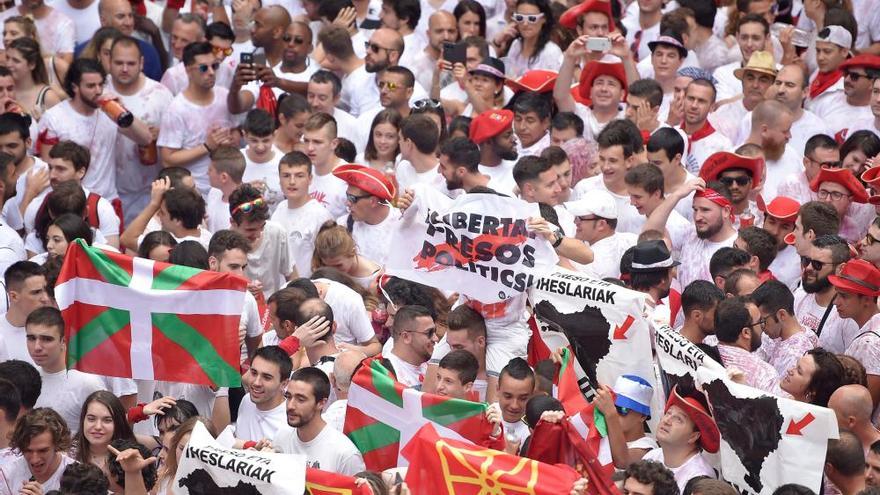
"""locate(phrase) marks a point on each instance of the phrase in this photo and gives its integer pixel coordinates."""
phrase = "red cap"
(367, 179)
(782, 207)
(862, 60)
(538, 81)
(724, 160)
(871, 175)
(845, 178)
(710, 437)
(858, 277)
(596, 68)
(570, 17)
(490, 124)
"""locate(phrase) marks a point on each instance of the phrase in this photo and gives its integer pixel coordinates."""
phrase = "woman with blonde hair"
(168, 471)
(335, 247)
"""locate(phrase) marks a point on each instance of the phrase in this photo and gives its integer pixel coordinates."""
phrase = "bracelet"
(207, 148)
(559, 239)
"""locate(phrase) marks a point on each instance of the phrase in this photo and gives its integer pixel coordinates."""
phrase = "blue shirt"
(152, 64)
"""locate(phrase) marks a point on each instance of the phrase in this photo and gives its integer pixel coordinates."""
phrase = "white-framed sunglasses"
(528, 18)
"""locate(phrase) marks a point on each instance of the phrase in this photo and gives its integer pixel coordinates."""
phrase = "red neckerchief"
(823, 81)
(702, 132)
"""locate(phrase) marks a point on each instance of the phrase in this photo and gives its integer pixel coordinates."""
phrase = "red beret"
(368, 179)
(724, 160)
(845, 178)
(570, 17)
(490, 124)
(538, 81)
(862, 60)
(782, 207)
(598, 68)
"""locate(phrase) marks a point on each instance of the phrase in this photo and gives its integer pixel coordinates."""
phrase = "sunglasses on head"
(249, 206)
(297, 40)
(741, 180)
(816, 264)
(203, 68)
(426, 103)
(219, 50)
(527, 18)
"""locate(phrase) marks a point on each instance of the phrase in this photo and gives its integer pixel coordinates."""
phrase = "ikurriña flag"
(320, 482)
(443, 466)
(144, 319)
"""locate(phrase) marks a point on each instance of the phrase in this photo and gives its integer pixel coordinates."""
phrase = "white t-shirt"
(515, 64)
(408, 374)
(17, 472)
(837, 333)
(95, 132)
(335, 414)
(791, 162)
(407, 175)
(374, 241)
(11, 248)
(86, 20)
(702, 148)
(56, 31)
(330, 451)
(254, 424)
(270, 261)
(253, 87)
(181, 131)
(517, 430)
(148, 104)
(15, 339)
(697, 253)
(359, 92)
(802, 130)
(329, 190)
(607, 253)
(268, 173)
(65, 392)
(693, 467)
(628, 217)
(217, 211)
(349, 127)
(108, 222)
(500, 177)
(302, 225)
(352, 323)
(176, 80)
(201, 396)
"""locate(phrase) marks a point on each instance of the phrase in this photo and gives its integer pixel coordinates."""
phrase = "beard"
(817, 286)
(454, 183)
(710, 230)
(509, 154)
(755, 341)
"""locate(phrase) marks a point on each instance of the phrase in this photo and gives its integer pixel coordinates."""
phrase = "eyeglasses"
(870, 240)
(369, 45)
(248, 206)
(426, 103)
(527, 18)
(830, 164)
(855, 76)
(354, 199)
(219, 50)
(586, 219)
(203, 68)
(816, 264)
(834, 195)
(297, 40)
(388, 84)
(762, 322)
(741, 180)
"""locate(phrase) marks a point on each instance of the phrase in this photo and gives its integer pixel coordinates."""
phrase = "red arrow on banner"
(620, 330)
(795, 427)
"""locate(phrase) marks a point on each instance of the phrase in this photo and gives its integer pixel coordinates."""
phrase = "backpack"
(92, 210)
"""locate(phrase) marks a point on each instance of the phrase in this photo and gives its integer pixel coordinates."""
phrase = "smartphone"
(598, 44)
(455, 53)
(246, 58)
(259, 58)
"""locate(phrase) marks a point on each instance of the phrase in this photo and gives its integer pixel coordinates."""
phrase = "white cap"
(599, 203)
(837, 35)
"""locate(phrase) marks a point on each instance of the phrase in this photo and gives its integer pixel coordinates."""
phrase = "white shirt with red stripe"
(702, 144)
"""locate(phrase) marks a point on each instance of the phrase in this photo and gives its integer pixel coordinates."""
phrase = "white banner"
(679, 356)
(604, 323)
(477, 245)
(767, 441)
(206, 468)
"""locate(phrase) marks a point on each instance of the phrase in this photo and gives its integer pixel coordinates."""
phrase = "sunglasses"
(203, 68)
(832, 164)
(354, 199)
(430, 333)
(834, 195)
(741, 180)
(375, 48)
(297, 40)
(219, 50)
(388, 84)
(426, 103)
(816, 264)
(528, 18)
(855, 76)
(870, 240)
(249, 206)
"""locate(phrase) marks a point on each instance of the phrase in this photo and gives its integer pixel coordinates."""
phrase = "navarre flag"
(443, 466)
(383, 415)
(144, 319)
(563, 443)
(320, 482)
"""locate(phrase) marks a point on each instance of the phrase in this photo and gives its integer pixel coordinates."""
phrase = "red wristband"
(175, 4)
(136, 414)
(249, 444)
(290, 345)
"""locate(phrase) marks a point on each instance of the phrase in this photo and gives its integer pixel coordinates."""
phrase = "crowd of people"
(717, 156)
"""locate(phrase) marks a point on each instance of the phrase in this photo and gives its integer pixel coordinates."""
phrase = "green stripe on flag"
(452, 411)
(95, 333)
(384, 385)
(173, 277)
(374, 436)
(108, 269)
(199, 347)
